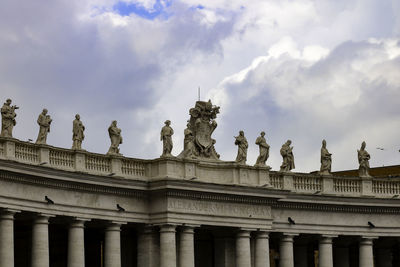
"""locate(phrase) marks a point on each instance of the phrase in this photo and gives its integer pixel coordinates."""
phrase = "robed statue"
(188, 143)
(115, 137)
(264, 150)
(44, 120)
(77, 133)
(326, 160)
(8, 118)
(166, 138)
(242, 144)
(363, 160)
(287, 155)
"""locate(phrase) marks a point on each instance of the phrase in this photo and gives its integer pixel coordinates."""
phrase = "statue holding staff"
(326, 160)
(242, 144)
(44, 120)
(77, 133)
(166, 137)
(287, 155)
(115, 137)
(8, 118)
(363, 160)
(264, 150)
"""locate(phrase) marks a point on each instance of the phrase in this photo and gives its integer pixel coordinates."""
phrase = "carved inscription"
(219, 209)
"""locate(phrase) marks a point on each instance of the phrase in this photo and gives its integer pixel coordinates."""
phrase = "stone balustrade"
(219, 172)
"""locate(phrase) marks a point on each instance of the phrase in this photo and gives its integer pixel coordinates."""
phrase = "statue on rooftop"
(363, 160)
(200, 128)
(264, 150)
(287, 155)
(166, 137)
(77, 133)
(8, 118)
(242, 144)
(44, 120)
(116, 138)
(326, 160)
(188, 145)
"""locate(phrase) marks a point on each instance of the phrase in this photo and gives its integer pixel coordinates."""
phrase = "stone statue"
(242, 144)
(44, 122)
(363, 160)
(116, 138)
(77, 133)
(264, 150)
(188, 145)
(200, 128)
(166, 137)
(287, 155)
(326, 160)
(8, 118)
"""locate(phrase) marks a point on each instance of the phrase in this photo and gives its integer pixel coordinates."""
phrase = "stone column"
(186, 247)
(243, 256)
(148, 248)
(366, 252)
(167, 246)
(262, 249)
(286, 251)
(325, 251)
(76, 244)
(40, 241)
(112, 252)
(7, 238)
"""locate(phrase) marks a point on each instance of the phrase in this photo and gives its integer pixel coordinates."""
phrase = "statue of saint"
(166, 137)
(242, 144)
(77, 133)
(363, 160)
(287, 155)
(326, 160)
(116, 138)
(188, 144)
(264, 150)
(44, 122)
(8, 118)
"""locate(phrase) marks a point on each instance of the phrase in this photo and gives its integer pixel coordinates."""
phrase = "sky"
(302, 70)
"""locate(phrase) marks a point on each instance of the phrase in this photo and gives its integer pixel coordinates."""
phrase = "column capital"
(78, 223)
(367, 240)
(262, 235)
(113, 227)
(243, 233)
(327, 239)
(168, 228)
(187, 229)
(8, 214)
(42, 218)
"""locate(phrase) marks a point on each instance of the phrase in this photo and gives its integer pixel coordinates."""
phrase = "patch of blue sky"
(158, 10)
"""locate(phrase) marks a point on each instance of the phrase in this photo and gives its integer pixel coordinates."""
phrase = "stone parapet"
(206, 171)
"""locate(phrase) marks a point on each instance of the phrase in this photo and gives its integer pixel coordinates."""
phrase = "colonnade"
(158, 246)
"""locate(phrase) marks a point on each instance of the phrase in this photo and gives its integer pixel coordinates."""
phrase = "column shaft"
(262, 249)
(186, 247)
(7, 239)
(286, 251)
(325, 252)
(366, 253)
(148, 248)
(76, 244)
(243, 256)
(112, 253)
(40, 242)
(167, 246)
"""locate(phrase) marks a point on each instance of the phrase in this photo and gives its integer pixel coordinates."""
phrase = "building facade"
(72, 208)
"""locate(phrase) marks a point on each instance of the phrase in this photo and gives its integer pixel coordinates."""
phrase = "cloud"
(346, 96)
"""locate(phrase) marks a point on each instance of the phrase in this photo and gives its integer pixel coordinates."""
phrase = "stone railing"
(72, 160)
(218, 172)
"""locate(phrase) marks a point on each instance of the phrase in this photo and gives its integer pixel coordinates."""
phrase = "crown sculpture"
(198, 142)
